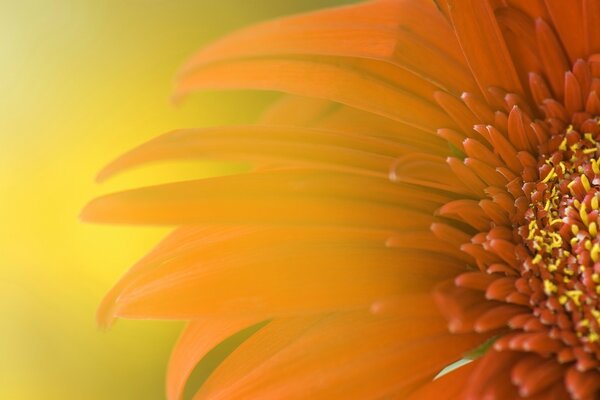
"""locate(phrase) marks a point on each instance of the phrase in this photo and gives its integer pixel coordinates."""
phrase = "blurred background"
(81, 82)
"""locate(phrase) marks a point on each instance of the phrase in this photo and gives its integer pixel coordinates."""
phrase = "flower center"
(560, 231)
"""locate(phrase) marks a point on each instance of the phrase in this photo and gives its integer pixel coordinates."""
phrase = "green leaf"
(452, 367)
(480, 350)
(468, 357)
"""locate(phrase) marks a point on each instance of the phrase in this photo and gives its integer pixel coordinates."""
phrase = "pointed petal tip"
(104, 174)
(84, 214)
(105, 315)
(177, 97)
(88, 213)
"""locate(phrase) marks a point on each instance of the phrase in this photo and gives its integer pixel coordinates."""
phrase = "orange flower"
(450, 150)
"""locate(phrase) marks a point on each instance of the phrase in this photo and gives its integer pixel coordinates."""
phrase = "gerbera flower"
(427, 193)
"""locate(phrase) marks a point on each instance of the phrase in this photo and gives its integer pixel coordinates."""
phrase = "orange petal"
(390, 31)
(519, 35)
(322, 114)
(533, 8)
(569, 24)
(554, 60)
(591, 13)
(449, 387)
(174, 243)
(365, 30)
(359, 84)
(426, 170)
(286, 146)
(325, 269)
(483, 45)
(343, 356)
(297, 197)
(198, 338)
(298, 111)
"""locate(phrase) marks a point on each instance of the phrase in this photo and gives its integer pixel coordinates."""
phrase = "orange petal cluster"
(428, 184)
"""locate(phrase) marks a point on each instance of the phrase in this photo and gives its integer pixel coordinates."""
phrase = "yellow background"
(81, 82)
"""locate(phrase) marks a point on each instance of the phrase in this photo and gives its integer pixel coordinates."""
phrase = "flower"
(428, 192)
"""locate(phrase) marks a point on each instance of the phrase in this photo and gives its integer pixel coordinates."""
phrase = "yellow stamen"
(583, 214)
(575, 296)
(589, 137)
(594, 252)
(595, 166)
(556, 240)
(550, 175)
(585, 182)
(563, 145)
(549, 287)
(563, 169)
(593, 229)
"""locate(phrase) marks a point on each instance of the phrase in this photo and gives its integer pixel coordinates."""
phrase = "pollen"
(593, 229)
(595, 166)
(563, 145)
(549, 287)
(550, 175)
(575, 295)
(583, 214)
(594, 252)
(586, 182)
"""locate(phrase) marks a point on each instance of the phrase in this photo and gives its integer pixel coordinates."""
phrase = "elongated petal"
(287, 146)
(569, 23)
(358, 85)
(322, 114)
(325, 269)
(181, 241)
(365, 31)
(391, 31)
(297, 197)
(483, 45)
(350, 355)
(198, 338)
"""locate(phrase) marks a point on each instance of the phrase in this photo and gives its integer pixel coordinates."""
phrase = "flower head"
(428, 191)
